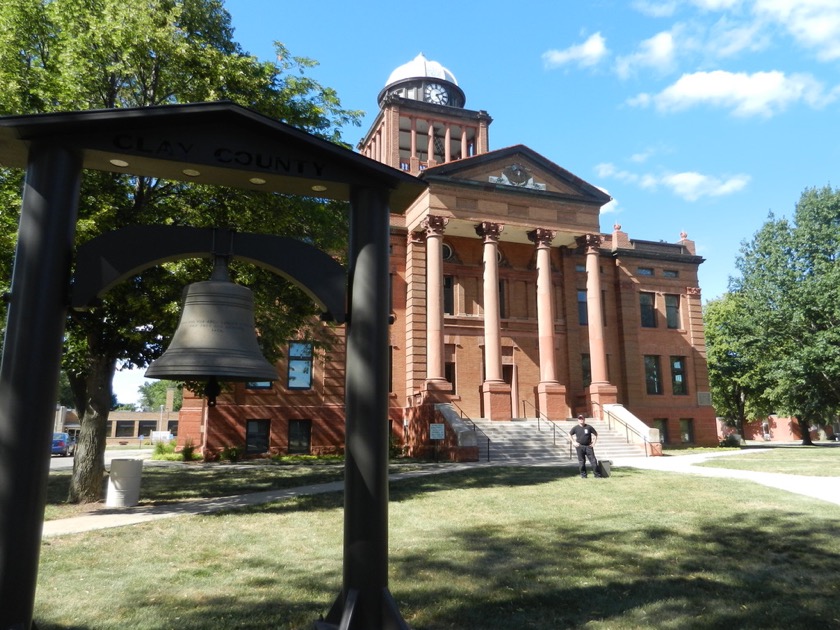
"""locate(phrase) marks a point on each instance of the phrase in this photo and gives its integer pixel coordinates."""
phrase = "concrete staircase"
(522, 441)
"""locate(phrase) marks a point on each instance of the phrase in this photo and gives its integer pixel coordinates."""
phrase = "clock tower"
(422, 121)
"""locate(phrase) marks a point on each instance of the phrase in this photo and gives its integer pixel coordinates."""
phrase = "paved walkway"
(822, 488)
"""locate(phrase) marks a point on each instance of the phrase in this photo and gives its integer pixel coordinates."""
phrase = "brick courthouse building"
(507, 299)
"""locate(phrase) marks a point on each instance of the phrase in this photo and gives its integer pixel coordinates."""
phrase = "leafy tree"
(789, 289)
(65, 392)
(153, 395)
(94, 54)
(737, 385)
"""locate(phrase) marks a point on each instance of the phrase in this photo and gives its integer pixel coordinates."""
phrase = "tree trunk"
(806, 434)
(93, 395)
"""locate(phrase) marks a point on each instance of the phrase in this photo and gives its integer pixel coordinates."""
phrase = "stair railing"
(478, 432)
(613, 421)
(541, 417)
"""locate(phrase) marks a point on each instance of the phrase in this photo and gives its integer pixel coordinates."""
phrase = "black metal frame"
(54, 148)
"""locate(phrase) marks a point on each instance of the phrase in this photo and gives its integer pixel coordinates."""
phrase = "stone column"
(414, 159)
(430, 147)
(600, 391)
(447, 151)
(434, 227)
(495, 392)
(551, 396)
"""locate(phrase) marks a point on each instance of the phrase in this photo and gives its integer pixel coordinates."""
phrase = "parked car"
(63, 444)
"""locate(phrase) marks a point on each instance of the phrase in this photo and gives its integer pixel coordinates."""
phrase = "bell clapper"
(211, 390)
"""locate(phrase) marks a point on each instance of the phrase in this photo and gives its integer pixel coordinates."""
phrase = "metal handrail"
(475, 427)
(554, 428)
(610, 418)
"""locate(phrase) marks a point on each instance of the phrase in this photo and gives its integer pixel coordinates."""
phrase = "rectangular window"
(390, 292)
(604, 308)
(586, 369)
(583, 314)
(300, 436)
(256, 436)
(503, 311)
(662, 425)
(670, 273)
(125, 428)
(172, 427)
(449, 370)
(146, 427)
(653, 378)
(644, 271)
(687, 430)
(300, 365)
(672, 311)
(580, 267)
(448, 295)
(258, 385)
(678, 380)
(647, 303)
(449, 373)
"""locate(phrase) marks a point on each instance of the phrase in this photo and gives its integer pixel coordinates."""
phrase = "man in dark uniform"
(584, 438)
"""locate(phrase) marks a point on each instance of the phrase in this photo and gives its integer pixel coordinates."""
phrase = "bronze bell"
(216, 338)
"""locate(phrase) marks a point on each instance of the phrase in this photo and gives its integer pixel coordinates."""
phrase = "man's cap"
(581, 417)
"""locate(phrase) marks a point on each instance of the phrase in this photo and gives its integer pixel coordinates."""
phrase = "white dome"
(419, 68)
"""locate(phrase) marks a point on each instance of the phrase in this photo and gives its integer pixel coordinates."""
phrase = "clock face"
(436, 93)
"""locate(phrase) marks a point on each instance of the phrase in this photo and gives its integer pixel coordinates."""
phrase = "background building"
(508, 301)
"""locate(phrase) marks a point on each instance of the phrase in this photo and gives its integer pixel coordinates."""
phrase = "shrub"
(731, 441)
(231, 454)
(188, 451)
(164, 448)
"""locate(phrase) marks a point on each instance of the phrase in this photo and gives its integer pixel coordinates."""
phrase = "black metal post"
(29, 370)
(365, 602)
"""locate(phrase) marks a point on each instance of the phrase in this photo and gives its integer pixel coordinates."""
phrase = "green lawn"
(484, 549)
(812, 461)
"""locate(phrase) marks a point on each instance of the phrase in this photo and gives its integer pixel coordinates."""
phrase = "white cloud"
(657, 52)
(757, 94)
(587, 54)
(656, 9)
(611, 207)
(813, 23)
(716, 5)
(690, 185)
(641, 156)
(728, 38)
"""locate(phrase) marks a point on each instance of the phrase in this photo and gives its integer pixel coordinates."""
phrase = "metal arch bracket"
(111, 258)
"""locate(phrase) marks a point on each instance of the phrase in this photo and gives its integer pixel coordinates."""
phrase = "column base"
(495, 396)
(598, 395)
(551, 400)
(437, 390)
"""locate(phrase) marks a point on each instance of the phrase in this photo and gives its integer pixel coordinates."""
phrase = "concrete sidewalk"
(822, 488)
(118, 517)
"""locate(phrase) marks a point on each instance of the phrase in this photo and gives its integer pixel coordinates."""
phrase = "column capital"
(542, 237)
(434, 225)
(693, 291)
(591, 242)
(489, 231)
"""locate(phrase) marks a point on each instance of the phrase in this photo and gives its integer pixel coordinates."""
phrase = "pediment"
(517, 170)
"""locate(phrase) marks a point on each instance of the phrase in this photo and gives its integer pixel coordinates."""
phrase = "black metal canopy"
(218, 143)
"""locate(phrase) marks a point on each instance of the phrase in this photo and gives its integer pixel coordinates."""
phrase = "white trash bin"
(124, 482)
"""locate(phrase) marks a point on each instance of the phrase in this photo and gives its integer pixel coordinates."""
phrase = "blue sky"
(700, 116)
